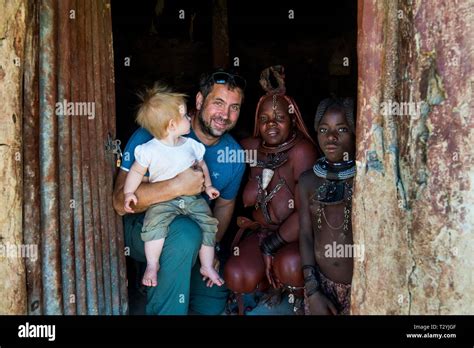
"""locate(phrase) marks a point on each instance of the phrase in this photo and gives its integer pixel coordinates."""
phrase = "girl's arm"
(318, 302)
(306, 229)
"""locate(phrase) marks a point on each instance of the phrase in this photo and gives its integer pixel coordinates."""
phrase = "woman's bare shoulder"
(304, 148)
(250, 143)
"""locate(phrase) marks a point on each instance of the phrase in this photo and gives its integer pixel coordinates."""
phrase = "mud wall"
(414, 200)
(13, 18)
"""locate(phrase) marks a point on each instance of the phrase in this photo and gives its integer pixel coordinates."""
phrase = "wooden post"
(12, 49)
(220, 34)
(414, 197)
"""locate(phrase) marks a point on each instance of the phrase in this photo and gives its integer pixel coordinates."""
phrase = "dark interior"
(312, 47)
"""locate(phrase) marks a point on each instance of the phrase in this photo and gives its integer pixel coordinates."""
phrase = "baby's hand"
(130, 197)
(212, 192)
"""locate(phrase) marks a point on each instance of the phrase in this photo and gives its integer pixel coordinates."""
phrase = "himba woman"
(269, 253)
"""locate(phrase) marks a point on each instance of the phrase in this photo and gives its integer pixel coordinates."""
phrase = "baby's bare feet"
(211, 274)
(150, 276)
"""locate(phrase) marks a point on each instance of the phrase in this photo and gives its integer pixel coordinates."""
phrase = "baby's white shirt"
(165, 162)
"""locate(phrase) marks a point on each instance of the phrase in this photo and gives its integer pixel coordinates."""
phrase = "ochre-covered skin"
(245, 272)
(301, 158)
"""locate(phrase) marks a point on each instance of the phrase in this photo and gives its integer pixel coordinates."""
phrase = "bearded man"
(180, 288)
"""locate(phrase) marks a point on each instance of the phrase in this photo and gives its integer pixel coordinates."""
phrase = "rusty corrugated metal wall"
(68, 173)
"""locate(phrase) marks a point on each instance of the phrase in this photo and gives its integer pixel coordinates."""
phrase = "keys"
(118, 154)
(113, 146)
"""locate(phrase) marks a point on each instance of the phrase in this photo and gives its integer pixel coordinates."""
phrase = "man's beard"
(208, 130)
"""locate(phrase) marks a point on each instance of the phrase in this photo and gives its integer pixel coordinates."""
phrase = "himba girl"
(325, 211)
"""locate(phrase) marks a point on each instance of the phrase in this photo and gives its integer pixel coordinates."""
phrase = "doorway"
(171, 41)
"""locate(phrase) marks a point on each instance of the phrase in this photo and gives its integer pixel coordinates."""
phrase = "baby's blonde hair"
(159, 104)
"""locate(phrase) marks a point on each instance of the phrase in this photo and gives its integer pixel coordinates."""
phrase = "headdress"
(278, 73)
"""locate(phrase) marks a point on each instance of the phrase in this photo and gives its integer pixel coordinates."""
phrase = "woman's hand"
(319, 304)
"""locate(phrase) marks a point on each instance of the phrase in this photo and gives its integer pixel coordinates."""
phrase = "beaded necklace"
(334, 171)
(334, 190)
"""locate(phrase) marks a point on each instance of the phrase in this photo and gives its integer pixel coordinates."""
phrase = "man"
(180, 286)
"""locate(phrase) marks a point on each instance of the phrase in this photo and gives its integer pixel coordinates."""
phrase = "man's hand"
(319, 304)
(190, 182)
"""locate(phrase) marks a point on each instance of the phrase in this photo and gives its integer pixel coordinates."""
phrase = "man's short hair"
(158, 105)
(221, 76)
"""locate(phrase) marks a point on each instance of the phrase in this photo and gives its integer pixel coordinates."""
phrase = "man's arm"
(223, 210)
(188, 183)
